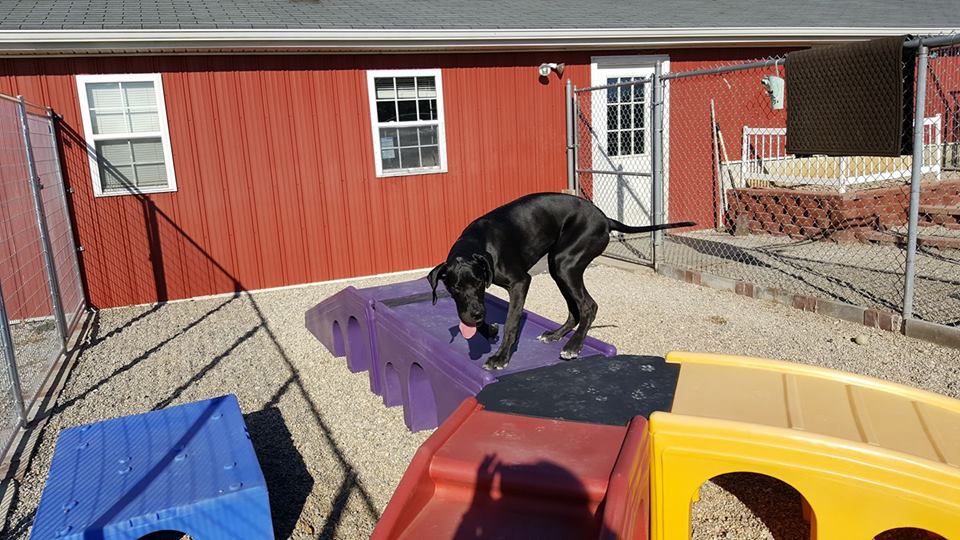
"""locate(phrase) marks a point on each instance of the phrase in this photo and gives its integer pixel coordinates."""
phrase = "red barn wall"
(22, 278)
(274, 165)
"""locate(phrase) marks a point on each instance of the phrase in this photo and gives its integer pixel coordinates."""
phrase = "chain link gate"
(42, 300)
(613, 158)
(873, 232)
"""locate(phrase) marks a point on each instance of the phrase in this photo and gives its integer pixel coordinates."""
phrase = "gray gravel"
(36, 344)
(862, 274)
(332, 454)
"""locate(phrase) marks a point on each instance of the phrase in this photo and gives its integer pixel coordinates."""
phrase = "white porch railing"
(764, 159)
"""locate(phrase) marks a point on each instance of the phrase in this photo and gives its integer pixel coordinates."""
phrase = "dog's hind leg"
(573, 314)
(588, 311)
(571, 263)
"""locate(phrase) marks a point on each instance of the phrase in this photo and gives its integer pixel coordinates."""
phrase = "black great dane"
(502, 246)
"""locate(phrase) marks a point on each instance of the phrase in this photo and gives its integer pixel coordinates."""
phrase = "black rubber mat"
(596, 389)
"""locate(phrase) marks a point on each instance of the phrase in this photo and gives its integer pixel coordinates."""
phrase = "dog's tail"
(617, 226)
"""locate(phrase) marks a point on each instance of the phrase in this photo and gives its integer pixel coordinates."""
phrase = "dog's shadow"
(479, 346)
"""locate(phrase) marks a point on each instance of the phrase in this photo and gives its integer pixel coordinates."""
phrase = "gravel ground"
(37, 344)
(332, 454)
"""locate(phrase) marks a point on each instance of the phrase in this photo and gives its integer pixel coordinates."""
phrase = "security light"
(546, 68)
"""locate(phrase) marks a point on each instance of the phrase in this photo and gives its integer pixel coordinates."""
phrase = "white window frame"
(376, 125)
(91, 139)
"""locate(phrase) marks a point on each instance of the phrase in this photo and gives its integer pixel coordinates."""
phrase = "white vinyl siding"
(125, 127)
(406, 109)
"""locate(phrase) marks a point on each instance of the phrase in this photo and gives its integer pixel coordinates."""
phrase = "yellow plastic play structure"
(868, 456)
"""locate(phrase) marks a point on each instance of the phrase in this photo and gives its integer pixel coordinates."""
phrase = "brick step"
(946, 225)
(931, 210)
(946, 216)
(899, 239)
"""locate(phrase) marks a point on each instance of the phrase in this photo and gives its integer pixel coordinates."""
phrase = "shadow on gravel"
(777, 504)
(20, 527)
(96, 338)
(288, 480)
(168, 241)
(795, 268)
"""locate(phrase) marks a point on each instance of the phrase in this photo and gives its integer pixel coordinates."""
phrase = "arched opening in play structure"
(765, 503)
(358, 350)
(165, 535)
(392, 387)
(423, 404)
(337, 339)
(908, 533)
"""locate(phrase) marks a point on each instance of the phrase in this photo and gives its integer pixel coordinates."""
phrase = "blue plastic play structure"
(189, 468)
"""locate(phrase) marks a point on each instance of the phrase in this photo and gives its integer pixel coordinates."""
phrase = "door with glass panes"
(621, 129)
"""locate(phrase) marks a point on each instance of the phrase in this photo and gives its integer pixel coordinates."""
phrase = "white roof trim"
(44, 42)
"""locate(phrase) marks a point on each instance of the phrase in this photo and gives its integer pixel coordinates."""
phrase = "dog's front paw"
(490, 331)
(549, 337)
(496, 362)
(569, 354)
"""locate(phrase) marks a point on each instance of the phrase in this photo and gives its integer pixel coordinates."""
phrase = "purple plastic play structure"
(414, 352)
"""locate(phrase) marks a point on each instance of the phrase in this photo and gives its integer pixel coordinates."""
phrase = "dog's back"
(531, 225)
(541, 213)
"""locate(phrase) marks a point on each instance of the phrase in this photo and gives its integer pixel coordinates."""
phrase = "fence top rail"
(724, 69)
(933, 41)
(639, 80)
(16, 99)
(45, 114)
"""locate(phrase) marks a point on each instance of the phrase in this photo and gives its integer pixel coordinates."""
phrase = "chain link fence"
(830, 227)
(937, 296)
(41, 293)
(614, 160)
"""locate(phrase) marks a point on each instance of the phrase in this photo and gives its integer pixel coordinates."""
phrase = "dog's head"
(466, 279)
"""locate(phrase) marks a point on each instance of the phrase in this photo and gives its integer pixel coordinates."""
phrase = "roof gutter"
(92, 42)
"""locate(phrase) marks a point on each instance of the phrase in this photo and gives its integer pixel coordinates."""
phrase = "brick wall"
(826, 215)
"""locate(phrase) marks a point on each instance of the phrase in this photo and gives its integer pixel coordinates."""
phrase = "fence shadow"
(163, 231)
(796, 269)
(288, 480)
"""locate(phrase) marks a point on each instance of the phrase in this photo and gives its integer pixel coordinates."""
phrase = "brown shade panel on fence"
(854, 99)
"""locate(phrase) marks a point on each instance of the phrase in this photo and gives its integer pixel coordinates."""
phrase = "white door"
(622, 185)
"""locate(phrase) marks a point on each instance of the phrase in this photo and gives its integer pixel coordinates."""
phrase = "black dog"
(501, 247)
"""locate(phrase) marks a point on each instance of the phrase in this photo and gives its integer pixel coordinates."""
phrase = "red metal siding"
(22, 276)
(274, 165)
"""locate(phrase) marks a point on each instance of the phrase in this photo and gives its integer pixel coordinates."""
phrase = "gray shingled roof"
(472, 14)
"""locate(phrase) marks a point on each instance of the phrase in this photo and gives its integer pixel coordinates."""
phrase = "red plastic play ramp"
(484, 474)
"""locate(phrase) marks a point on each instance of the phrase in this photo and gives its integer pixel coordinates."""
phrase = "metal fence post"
(916, 170)
(65, 192)
(576, 144)
(656, 166)
(10, 358)
(35, 187)
(571, 147)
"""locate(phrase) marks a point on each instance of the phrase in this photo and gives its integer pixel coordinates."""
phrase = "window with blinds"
(407, 115)
(126, 127)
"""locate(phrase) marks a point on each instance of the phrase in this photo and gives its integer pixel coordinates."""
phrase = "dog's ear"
(435, 275)
(487, 266)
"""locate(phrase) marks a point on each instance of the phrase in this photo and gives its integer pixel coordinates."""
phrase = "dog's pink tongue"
(467, 330)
